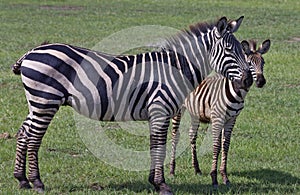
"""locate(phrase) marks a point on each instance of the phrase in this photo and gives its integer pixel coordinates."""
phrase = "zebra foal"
(148, 86)
(219, 101)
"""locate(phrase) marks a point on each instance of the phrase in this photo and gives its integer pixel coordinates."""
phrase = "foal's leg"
(193, 132)
(217, 126)
(225, 148)
(175, 139)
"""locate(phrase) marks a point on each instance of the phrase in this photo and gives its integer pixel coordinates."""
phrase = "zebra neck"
(194, 65)
(191, 52)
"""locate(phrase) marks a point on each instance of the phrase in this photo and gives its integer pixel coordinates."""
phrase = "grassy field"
(264, 157)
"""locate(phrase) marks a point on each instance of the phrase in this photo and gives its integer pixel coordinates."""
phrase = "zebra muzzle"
(260, 80)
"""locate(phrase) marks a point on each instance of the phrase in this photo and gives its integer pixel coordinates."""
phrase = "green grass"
(264, 154)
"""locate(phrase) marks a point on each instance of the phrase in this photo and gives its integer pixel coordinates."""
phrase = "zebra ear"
(234, 25)
(246, 47)
(265, 46)
(222, 25)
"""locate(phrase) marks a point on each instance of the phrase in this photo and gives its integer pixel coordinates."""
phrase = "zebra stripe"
(219, 101)
(149, 86)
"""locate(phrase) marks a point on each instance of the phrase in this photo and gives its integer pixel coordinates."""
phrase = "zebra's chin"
(245, 82)
(248, 80)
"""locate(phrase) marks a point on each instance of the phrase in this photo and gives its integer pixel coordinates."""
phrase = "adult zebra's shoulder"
(219, 101)
(149, 86)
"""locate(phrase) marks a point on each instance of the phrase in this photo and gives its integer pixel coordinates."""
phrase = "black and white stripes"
(219, 101)
(149, 86)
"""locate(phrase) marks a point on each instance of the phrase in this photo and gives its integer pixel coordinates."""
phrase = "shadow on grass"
(270, 176)
(142, 186)
(268, 181)
(263, 181)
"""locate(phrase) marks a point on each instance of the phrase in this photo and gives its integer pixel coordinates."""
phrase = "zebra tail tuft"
(16, 68)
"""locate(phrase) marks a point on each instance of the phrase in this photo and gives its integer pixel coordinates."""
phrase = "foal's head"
(255, 59)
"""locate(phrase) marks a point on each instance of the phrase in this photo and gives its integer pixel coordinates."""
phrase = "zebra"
(219, 101)
(149, 86)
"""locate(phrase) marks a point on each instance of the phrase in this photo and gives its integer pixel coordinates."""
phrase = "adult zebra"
(149, 86)
(219, 101)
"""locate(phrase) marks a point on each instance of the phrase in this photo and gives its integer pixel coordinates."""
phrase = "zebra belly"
(198, 110)
(108, 111)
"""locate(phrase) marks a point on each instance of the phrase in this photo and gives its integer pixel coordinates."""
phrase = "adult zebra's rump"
(149, 86)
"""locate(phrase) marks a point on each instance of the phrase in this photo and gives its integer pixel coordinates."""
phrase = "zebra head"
(255, 59)
(226, 55)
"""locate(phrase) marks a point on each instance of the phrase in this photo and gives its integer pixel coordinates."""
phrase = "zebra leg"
(225, 145)
(158, 138)
(39, 124)
(193, 132)
(175, 140)
(216, 135)
(21, 152)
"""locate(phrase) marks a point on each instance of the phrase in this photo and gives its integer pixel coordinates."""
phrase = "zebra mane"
(193, 30)
(201, 27)
(252, 45)
(45, 43)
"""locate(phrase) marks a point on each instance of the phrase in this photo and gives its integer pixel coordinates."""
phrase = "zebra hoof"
(38, 186)
(165, 193)
(198, 173)
(24, 185)
(215, 186)
(164, 189)
(96, 187)
(39, 190)
(227, 183)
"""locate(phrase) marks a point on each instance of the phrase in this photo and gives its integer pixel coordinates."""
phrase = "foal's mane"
(253, 44)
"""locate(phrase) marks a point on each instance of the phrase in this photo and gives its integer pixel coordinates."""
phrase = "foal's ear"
(246, 47)
(265, 46)
(234, 25)
(222, 25)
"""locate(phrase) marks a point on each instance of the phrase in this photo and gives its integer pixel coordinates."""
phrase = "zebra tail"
(16, 68)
